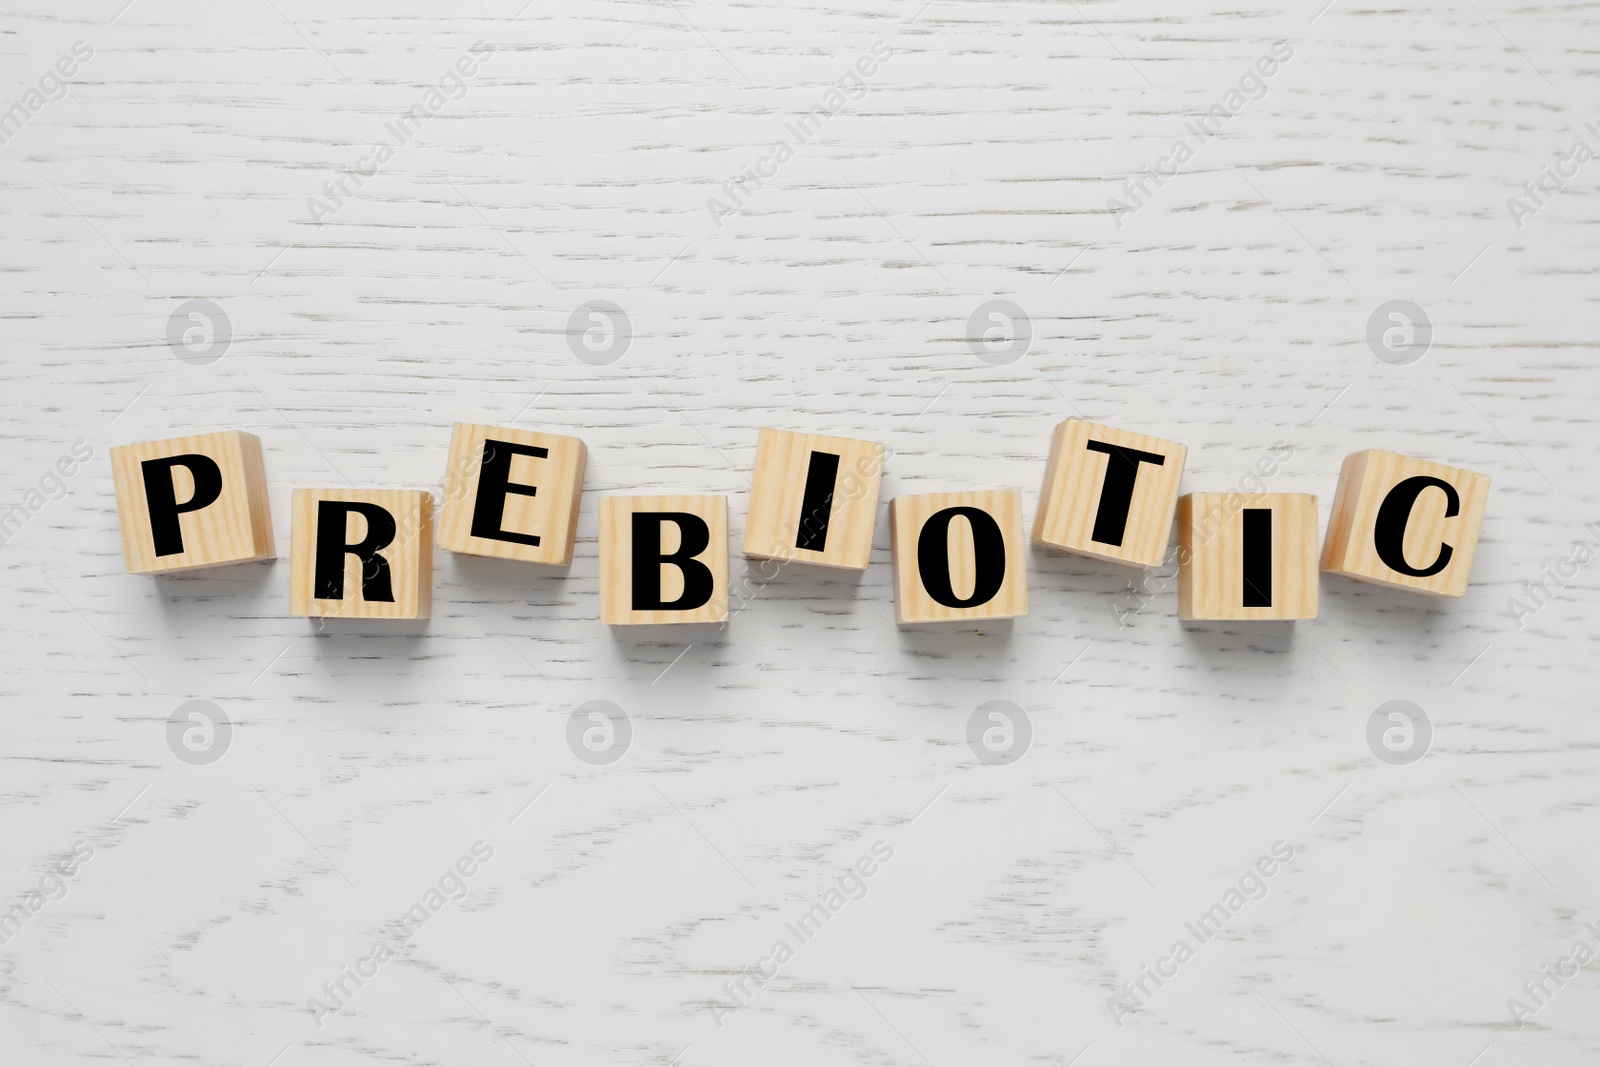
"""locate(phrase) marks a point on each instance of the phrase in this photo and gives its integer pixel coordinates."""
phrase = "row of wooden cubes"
(1108, 493)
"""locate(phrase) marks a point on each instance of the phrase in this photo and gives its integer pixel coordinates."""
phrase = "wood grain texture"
(1366, 478)
(401, 585)
(554, 474)
(1072, 494)
(1231, 571)
(234, 527)
(1230, 312)
(618, 599)
(976, 561)
(778, 516)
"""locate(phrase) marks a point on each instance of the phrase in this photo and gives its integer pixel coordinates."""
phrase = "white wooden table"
(1230, 312)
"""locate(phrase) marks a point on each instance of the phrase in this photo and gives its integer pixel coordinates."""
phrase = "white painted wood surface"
(1229, 313)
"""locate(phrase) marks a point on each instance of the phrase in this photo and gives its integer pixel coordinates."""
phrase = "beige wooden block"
(682, 559)
(190, 502)
(1247, 557)
(1405, 522)
(958, 556)
(1109, 493)
(361, 554)
(814, 499)
(512, 494)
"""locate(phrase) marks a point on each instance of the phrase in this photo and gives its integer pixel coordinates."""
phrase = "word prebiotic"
(959, 556)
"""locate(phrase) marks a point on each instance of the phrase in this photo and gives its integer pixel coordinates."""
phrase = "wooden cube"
(1247, 557)
(663, 559)
(190, 502)
(512, 494)
(958, 556)
(361, 554)
(814, 499)
(1109, 493)
(1405, 522)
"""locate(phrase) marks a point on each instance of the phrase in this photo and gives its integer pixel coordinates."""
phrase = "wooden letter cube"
(362, 554)
(958, 556)
(191, 502)
(1109, 493)
(1405, 522)
(814, 499)
(1247, 557)
(663, 559)
(512, 494)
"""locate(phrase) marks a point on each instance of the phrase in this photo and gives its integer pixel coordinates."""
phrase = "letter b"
(693, 538)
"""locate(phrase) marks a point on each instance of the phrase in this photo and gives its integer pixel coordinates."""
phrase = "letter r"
(328, 579)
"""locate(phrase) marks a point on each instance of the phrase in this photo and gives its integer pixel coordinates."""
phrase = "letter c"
(1389, 532)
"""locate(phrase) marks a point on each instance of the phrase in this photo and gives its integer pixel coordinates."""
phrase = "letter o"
(988, 557)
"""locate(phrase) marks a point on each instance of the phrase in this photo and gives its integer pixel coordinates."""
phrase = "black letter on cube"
(1116, 493)
(1389, 532)
(647, 561)
(816, 503)
(1256, 566)
(988, 557)
(494, 484)
(161, 497)
(327, 581)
